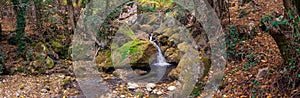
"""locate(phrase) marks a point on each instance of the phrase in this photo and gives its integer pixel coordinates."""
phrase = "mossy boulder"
(172, 54)
(49, 63)
(61, 49)
(190, 57)
(103, 60)
(146, 28)
(132, 52)
(40, 48)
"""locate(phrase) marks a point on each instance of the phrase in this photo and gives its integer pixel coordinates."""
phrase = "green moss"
(49, 63)
(127, 32)
(157, 4)
(130, 52)
(20, 69)
(200, 85)
(207, 64)
(40, 47)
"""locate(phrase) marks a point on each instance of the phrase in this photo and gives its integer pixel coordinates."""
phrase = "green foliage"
(127, 32)
(290, 24)
(131, 49)
(232, 40)
(157, 4)
(255, 83)
(20, 8)
(197, 90)
(139, 94)
(147, 9)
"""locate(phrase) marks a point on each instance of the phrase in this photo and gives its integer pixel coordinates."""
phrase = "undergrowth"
(285, 31)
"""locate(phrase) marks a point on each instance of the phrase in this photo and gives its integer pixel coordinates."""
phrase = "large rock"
(188, 59)
(146, 28)
(172, 55)
(135, 53)
(103, 60)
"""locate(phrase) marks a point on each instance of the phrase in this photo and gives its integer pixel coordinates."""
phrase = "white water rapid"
(161, 61)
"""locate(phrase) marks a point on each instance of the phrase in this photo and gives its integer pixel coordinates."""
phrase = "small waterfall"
(161, 61)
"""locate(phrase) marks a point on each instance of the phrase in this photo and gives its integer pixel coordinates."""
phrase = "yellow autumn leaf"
(64, 2)
(264, 61)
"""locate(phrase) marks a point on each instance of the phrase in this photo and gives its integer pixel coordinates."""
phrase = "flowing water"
(161, 61)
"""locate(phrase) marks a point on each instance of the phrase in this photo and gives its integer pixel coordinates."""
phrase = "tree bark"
(292, 5)
(71, 14)
(107, 6)
(219, 6)
(38, 13)
(280, 38)
(20, 9)
(1, 18)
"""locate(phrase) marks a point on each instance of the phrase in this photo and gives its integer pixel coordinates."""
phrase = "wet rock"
(163, 40)
(132, 86)
(171, 88)
(149, 50)
(122, 96)
(201, 41)
(168, 31)
(136, 51)
(17, 94)
(172, 55)
(174, 73)
(175, 38)
(141, 35)
(188, 59)
(164, 48)
(44, 90)
(146, 28)
(150, 86)
(140, 72)
(183, 46)
(261, 72)
(159, 93)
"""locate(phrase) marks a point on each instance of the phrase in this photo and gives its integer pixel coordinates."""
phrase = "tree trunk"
(219, 6)
(292, 5)
(107, 7)
(71, 14)
(1, 18)
(280, 38)
(20, 9)
(38, 13)
(288, 48)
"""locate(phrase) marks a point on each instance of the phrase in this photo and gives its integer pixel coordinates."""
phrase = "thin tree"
(38, 13)
(71, 13)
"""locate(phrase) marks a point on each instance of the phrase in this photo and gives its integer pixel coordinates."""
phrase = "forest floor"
(244, 79)
(240, 81)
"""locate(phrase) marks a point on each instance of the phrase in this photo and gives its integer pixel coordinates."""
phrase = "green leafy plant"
(131, 49)
(158, 4)
(20, 8)
(232, 40)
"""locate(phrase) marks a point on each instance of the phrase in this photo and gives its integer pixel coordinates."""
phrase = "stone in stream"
(159, 93)
(132, 86)
(122, 96)
(171, 88)
(150, 86)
